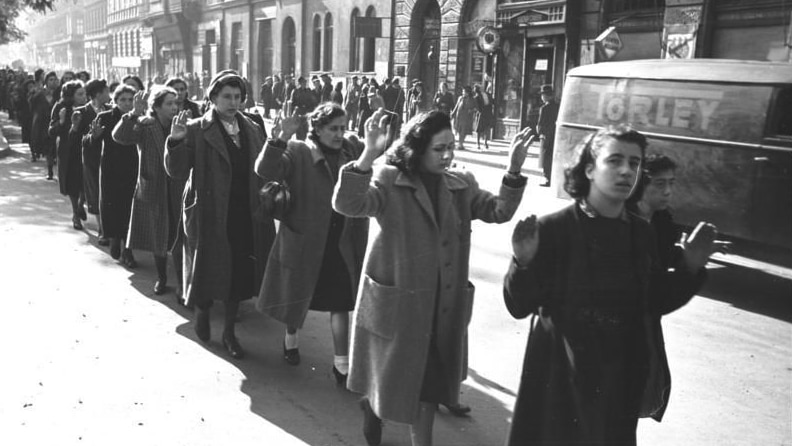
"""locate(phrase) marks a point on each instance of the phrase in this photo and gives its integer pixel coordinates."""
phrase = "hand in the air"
(96, 129)
(518, 150)
(525, 240)
(699, 246)
(179, 125)
(140, 103)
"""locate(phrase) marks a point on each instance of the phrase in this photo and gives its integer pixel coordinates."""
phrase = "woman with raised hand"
(409, 338)
(316, 260)
(595, 360)
(70, 170)
(118, 170)
(154, 222)
(227, 237)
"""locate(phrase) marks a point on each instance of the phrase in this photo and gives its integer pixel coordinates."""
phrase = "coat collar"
(214, 138)
(453, 182)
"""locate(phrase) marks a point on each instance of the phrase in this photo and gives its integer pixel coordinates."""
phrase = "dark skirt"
(117, 181)
(70, 173)
(333, 291)
(91, 182)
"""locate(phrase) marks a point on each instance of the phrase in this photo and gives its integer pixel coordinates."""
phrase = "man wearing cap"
(327, 88)
(545, 127)
(277, 93)
(317, 88)
(351, 102)
(303, 102)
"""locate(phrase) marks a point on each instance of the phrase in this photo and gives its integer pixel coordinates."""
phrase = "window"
(635, 5)
(328, 42)
(288, 49)
(369, 45)
(354, 51)
(236, 44)
(317, 43)
(781, 121)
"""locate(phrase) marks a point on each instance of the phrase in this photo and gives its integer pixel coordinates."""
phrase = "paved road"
(92, 357)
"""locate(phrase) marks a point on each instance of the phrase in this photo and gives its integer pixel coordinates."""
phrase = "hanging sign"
(608, 43)
(488, 39)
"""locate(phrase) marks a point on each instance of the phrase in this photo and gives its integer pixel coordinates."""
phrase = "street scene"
(463, 222)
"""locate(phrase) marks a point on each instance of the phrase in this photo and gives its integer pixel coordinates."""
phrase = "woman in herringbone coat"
(154, 223)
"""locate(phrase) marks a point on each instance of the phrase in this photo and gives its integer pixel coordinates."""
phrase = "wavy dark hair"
(68, 90)
(158, 95)
(134, 79)
(576, 183)
(49, 75)
(121, 89)
(652, 165)
(407, 151)
(94, 87)
(323, 114)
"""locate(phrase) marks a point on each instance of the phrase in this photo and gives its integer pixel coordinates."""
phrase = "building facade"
(97, 42)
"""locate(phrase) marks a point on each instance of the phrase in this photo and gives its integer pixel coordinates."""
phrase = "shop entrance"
(538, 71)
(425, 45)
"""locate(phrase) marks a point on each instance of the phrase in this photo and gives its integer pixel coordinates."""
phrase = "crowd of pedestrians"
(379, 224)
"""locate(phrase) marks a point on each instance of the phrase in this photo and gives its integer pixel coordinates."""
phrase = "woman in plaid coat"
(156, 207)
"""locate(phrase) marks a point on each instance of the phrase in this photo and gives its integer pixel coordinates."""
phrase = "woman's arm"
(128, 131)
(180, 147)
(55, 127)
(275, 162)
(356, 195)
(527, 282)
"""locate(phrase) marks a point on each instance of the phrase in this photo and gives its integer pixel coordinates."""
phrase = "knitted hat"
(222, 79)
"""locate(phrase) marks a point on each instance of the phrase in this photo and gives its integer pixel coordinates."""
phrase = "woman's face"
(659, 190)
(615, 171)
(125, 102)
(169, 107)
(80, 98)
(52, 82)
(67, 78)
(132, 83)
(227, 101)
(438, 156)
(181, 89)
(332, 134)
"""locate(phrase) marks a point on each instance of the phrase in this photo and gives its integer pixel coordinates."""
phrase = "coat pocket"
(378, 308)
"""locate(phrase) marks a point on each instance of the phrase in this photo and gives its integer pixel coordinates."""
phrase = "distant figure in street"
(41, 104)
(327, 88)
(463, 115)
(131, 79)
(265, 96)
(278, 95)
(546, 126)
(444, 99)
(183, 100)
(485, 117)
(303, 102)
(351, 102)
(337, 95)
(595, 360)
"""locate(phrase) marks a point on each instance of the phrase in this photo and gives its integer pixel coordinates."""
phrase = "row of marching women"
(382, 229)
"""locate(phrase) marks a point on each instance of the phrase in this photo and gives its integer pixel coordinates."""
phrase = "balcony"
(121, 15)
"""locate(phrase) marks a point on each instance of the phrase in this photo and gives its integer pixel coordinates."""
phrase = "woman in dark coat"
(485, 119)
(41, 143)
(70, 175)
(595, 360)
(364, 110)
(24, 113)
(227, 236)
(316, 260)
(118, 169)
(154, 223)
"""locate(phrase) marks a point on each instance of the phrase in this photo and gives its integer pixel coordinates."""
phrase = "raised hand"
(76, 118)
(377, 129)
(286, 127)
(518, 150)
(62, 116)
(179, 125)
(140, 103)
(699, 246)
(96, 129)
(525, 240)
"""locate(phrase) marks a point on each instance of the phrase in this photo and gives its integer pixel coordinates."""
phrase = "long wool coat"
(69, 151)
(295, 261)
(40, 141)
(156, 206)
(417, 261)
(546, 411)
(90, 157)
(202, 159)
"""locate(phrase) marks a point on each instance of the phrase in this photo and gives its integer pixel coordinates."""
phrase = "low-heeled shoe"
(291, 355)
(372, 425)
(160, 287)
(231, 344)
(202, 327)
(341, 379)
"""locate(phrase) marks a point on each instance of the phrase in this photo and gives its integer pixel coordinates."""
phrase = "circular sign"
(488, 39)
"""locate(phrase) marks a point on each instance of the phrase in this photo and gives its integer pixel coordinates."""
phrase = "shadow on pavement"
(751, 290)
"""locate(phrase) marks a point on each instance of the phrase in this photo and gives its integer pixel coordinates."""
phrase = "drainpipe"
(392, 39)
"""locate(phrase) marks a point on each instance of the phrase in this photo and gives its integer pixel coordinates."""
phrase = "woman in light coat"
(316, 260)
(409, 338)
(463, 115)
(154, 223)
(227, 236)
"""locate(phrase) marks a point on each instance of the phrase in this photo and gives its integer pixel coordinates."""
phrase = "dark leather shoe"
(103, 241)
(82, 214)
(340, 378)
(128, 259)
(160, 287)
(115, 248)
(372, 425)
(76, 224)
(292, 355)
(458, 410)
(202, 327)
(231, 344)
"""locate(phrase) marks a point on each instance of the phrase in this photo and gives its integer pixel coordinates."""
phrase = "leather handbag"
(275, 198)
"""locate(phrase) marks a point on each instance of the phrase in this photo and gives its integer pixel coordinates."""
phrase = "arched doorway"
(288, 47)
(425, 28)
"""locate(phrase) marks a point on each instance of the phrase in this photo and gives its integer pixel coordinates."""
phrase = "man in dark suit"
(327, 87)
(303, 102)
(545, 127)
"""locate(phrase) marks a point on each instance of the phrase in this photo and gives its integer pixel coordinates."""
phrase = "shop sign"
(146, 43)
(488, 39)
(608, 43)
(368, 27)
